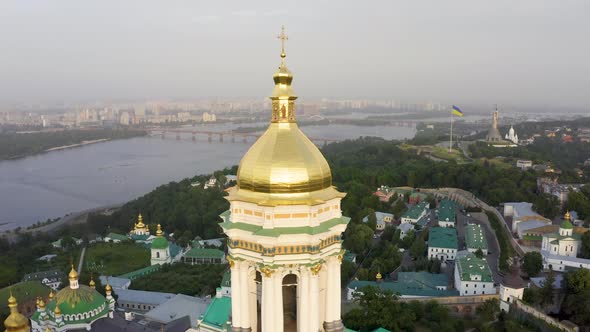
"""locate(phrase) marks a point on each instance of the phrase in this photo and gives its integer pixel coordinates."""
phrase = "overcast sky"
(521, 52)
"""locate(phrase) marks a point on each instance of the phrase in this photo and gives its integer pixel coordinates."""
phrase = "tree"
(372, 219)
(578, 281)
(479, 253)
(546, 292)
(489, 309)
(578, 307)
(398, 208)
(531, 296)
(418, 248)
(533, 263)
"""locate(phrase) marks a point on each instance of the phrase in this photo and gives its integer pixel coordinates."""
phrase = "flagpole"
(451, 139)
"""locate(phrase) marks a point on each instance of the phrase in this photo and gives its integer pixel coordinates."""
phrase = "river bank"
(77, 145)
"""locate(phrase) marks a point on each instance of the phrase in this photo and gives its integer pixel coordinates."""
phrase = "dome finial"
(283, 37)
(567, 216)
(159, 232)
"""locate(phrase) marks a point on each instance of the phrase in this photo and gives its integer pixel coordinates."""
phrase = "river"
(56, 183)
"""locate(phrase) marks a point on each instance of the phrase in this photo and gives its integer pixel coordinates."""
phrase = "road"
(82, 253)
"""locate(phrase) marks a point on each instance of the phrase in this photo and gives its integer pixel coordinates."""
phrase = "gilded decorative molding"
(267, 271)
(231, 261)
(316, 269)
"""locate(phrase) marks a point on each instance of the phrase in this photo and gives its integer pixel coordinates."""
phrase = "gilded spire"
(567, 216)
(92, 284)
(283, 97)
(51, 295)
(283, 37)
(73, 275)
(159, 232)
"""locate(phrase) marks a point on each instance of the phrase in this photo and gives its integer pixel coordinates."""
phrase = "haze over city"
(523, 53)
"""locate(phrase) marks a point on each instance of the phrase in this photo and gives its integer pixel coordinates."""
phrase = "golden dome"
(108, 288)
(57, 310)
(283, 166)
(73, 275)
(567, 216)
(378, 276)
(159, 232)
(51, 295)
(92, 284)
(41, 303)
(15, 321)
(140, 223)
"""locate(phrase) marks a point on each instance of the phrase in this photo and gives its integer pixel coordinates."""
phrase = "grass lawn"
(115, 258)
(443, 153)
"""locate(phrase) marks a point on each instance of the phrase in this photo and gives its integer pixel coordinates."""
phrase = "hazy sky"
(520, 52)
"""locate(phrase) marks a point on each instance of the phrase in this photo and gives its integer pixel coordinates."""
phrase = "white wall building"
(473, 276)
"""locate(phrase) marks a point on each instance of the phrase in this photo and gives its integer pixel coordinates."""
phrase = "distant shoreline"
(63, 147)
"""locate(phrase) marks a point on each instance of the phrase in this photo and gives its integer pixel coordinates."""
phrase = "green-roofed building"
(217, 316)
(141, 272)
(565, 242)
(473, 276)
(75, 307)
(409, 285)
(475, 239)
(415, 213)
(447, 217)
(204, 256)
(116, 238)
(442, 243)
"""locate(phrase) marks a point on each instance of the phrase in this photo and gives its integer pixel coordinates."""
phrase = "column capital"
(315, 269)
(267, 270)
(231, 261)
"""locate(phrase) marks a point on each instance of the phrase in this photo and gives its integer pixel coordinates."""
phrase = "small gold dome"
(92, 284)
(15, 320)
(41, 303)
(159, 232)
(57, 310)
(140, 223)
(567, 216)
(73, 275)
(51, 295)
(378, 276)
(108, 288)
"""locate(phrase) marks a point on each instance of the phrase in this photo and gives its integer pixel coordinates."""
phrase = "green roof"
(443, 237)
(218, 312)
(159, 243)
(403, 288)
(380, 330)
(470, 266)
(475, 237)
(276, 232)
(116, 236)
(23, 292)
(446, 210)
(75, 301)
(566, 224)
(141, 272)
(204, 253)
(139, 237)
(415, 211)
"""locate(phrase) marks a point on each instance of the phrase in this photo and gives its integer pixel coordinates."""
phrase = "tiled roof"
(218, 312)
(443, 237)
(411, 288)
(141, 272)
(415, 211)
(179, 306)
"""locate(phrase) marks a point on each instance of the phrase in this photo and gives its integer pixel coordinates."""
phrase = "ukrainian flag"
(456, 111)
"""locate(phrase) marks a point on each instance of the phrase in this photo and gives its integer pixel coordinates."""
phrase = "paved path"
(82, 253)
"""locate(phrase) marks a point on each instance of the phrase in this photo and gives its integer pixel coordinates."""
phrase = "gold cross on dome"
(283, 37)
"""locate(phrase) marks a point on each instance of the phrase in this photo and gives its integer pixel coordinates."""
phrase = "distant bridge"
(219, 136)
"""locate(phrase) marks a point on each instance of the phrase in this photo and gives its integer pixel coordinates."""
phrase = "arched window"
(157, 254)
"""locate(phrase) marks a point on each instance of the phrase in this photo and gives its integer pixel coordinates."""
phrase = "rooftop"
(177, 307)
(218, 312)
(415, 211)
(421, 286)
(470, 266)
(443, 237)
(204, 253)
(55, 274)
(141, 272)
(115, 282)
(475, 237)
(140, 296)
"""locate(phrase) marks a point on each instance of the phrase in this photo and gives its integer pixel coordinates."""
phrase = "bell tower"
(284, 228)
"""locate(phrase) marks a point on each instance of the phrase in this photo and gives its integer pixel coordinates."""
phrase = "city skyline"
(524, 54)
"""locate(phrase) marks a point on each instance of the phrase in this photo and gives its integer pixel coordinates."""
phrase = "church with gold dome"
(284, 228)
(72, 308)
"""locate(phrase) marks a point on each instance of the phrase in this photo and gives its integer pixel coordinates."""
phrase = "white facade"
(562, 244)
(160, 256)
(442, 254)
(524, 164)
(473, 277)
(446, 223)
(512, 136)
(309, 261)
